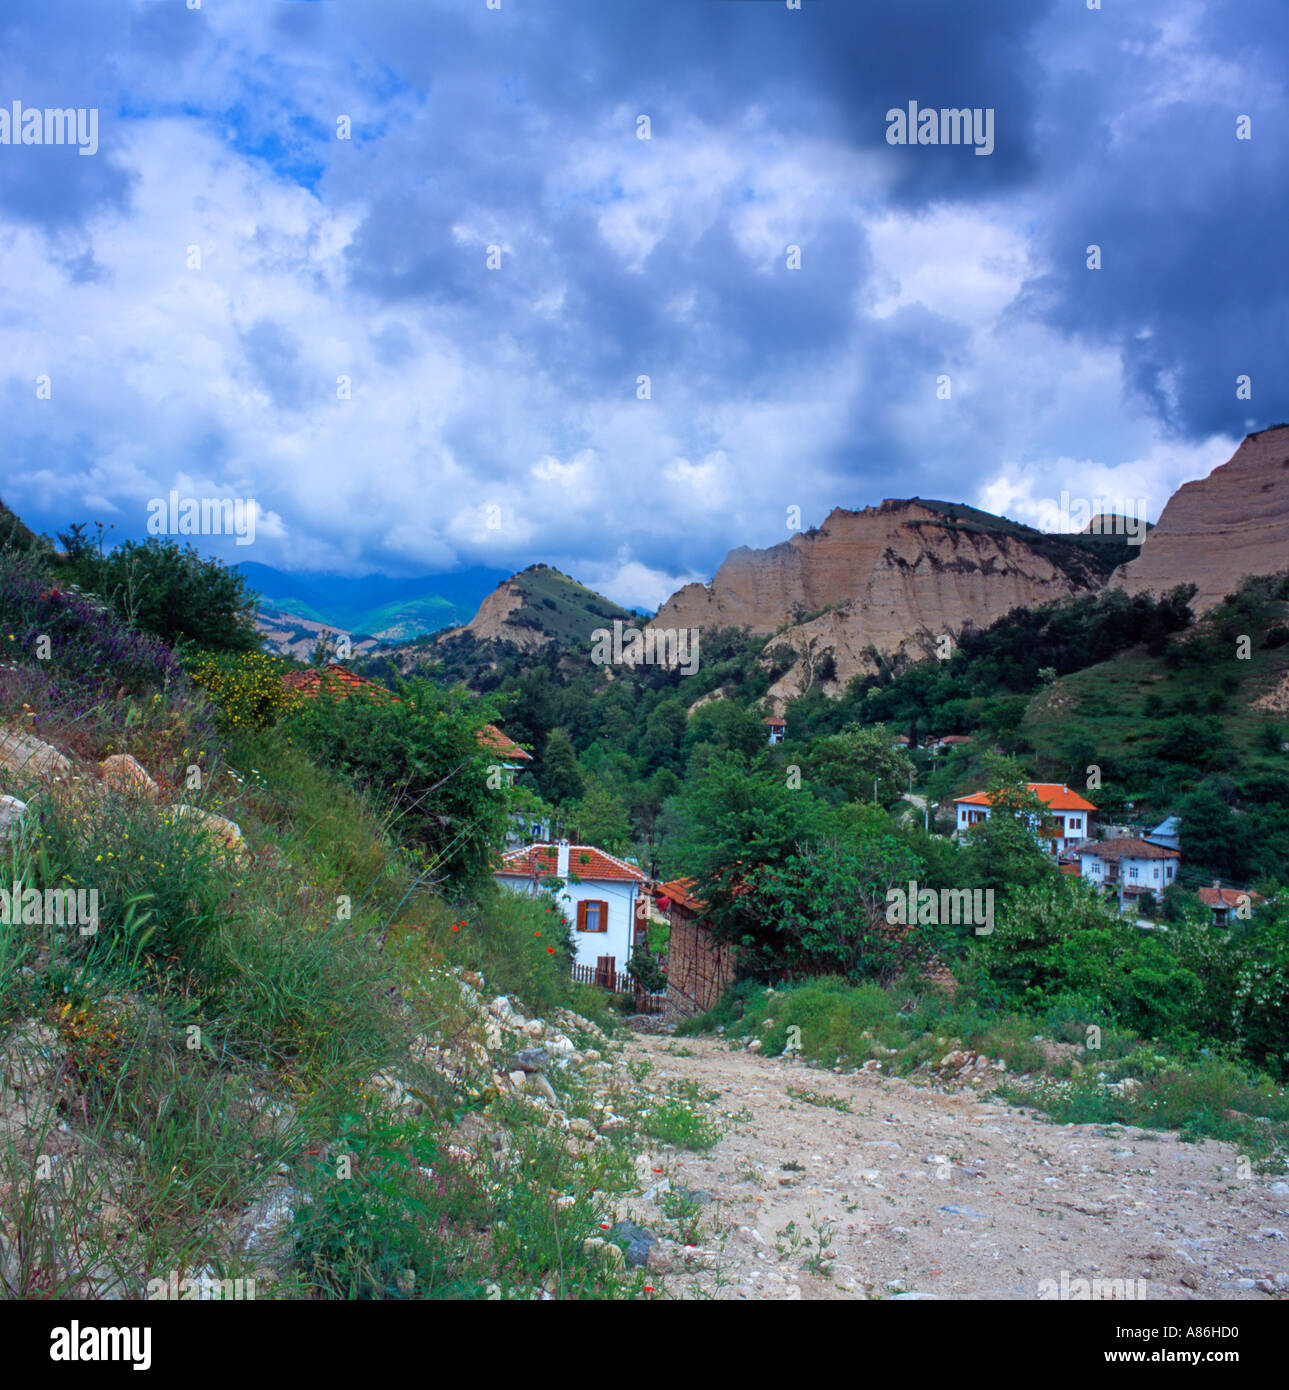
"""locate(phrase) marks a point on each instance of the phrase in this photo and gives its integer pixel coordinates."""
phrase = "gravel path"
(913, 1190)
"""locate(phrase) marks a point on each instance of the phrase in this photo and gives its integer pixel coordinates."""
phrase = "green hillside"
(401, 620)
(562, 609)
(14, 532)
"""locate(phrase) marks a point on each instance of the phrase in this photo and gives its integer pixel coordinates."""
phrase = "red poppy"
(550, 950)
(455, 927)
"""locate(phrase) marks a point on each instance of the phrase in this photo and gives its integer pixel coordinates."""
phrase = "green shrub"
(173, 591)
(246, 689)
(420, 756)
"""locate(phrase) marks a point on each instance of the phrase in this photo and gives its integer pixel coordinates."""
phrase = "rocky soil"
(880, 1187)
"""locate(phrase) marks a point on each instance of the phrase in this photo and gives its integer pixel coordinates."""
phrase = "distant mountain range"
(886, 582)
(538, 607)
(297, 608)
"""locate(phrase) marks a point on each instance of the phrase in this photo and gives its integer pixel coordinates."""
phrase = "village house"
(1228, 904)
(699, 968)
(598, 893)
(512, 757)
(1070, 815)
(778, 728)
(1166, 833)
(938, 743)
(1130, 867)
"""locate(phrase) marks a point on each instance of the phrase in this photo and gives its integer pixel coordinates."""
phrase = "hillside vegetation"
(267, 1056)
(307, 1042)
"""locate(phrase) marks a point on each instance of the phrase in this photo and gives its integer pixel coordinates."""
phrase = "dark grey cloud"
(516, 128)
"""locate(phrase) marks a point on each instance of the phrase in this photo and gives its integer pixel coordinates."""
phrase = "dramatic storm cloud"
(424, 345)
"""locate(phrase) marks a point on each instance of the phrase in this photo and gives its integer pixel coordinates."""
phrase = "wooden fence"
(605, 975)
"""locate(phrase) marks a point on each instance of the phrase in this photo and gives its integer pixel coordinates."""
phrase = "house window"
(592, 916)
(1132, 872)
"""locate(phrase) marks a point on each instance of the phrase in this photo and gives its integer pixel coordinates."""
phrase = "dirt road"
(862, 1186)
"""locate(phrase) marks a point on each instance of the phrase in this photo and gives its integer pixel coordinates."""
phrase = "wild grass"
(224, 1021)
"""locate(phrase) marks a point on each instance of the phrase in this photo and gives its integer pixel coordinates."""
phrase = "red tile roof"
(491, 737)
(336, 680)
(1052, 794)
(541, 860)
(680, 892)
(778, 723)
(1226, 897)
(1114, 850)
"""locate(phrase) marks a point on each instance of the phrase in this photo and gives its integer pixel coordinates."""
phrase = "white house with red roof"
(1129, 866)
(598, 895)
(1070, 814)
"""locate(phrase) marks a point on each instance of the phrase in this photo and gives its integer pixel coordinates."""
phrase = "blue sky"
(510, 394)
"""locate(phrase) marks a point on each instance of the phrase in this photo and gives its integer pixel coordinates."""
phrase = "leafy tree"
(726, 724)
(421, 757)
(647, 810)
(1211, 834)
(559, 774)
(1190, 740)
(171, 591)
(824, 911)
(601, 819)
(660, 743)
(848, 763)
(1261, 989)
(730, 820)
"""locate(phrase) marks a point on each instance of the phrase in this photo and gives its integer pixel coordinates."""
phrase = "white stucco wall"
(1155, 874)
(621, 898)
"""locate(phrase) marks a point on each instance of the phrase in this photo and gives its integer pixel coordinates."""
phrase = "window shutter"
(581, 916)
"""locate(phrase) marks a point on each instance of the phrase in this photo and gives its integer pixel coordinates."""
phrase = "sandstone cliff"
(492, 621)
(1221, 529)
(893, 579)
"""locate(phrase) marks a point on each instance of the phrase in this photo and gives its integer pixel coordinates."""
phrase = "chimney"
(1217, 883)
(561, 864)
